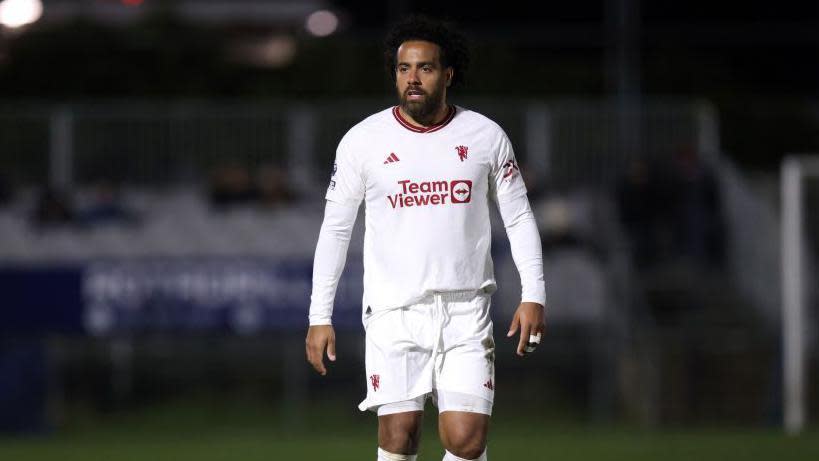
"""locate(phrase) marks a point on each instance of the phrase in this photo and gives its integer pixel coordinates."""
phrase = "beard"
(423, 111)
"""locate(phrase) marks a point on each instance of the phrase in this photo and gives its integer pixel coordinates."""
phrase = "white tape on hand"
(534, 340)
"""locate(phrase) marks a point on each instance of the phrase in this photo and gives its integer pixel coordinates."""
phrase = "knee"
(467, 451)
(399, 433)
(464, 442)
(398, 442)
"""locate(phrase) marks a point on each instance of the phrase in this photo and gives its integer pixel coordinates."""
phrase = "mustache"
(414, 88)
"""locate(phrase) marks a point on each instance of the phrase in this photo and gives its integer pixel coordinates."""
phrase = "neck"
(436, 118)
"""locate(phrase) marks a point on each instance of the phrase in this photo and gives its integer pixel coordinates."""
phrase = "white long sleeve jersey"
(426, 194)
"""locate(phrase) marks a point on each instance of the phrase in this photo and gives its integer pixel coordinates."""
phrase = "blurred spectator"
(105, 207)
(672, 214)
(556, 213)
(231, 184)
(274, 186)
(641, 202)
(556, 218)
(697, 216)
(568, 221)
(53, 208)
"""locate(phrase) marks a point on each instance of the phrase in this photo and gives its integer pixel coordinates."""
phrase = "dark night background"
(758, 61)
(162, 175)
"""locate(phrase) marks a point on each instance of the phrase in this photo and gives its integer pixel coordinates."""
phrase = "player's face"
(421, 80)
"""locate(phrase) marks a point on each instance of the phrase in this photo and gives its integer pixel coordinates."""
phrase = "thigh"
(468, 363)
(398, 357)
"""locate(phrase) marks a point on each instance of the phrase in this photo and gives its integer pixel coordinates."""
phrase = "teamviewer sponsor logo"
(427, 193)
(461, 191)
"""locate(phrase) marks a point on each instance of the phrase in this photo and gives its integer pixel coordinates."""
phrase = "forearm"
(330, 257)
(524, 240)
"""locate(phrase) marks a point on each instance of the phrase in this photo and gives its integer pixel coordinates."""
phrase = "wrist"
(535, 303)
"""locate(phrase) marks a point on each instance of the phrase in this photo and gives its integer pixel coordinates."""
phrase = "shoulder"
(363, 131)
(479, 121)
(485, 129)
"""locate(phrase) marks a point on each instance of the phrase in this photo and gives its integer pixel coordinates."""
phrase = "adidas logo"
(392, 158)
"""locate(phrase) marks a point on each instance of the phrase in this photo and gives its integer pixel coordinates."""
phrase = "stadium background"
(162, 169)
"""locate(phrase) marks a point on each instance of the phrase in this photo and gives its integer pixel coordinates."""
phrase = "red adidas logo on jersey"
(392, 158)
(426, 193)
(489, 385)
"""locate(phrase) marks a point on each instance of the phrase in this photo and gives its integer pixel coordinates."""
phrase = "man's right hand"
(319, 338)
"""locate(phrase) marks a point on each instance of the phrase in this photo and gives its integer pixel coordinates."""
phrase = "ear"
(450, 73)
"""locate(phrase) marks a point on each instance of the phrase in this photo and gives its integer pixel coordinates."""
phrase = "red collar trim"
(423, 129)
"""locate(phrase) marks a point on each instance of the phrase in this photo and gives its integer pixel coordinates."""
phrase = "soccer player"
(426, 171)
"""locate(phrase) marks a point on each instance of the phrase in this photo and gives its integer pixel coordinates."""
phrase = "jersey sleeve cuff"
(538, 296)
(316, 320)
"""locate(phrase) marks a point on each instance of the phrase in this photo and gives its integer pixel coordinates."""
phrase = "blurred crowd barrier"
(139, 232)
(567, 142)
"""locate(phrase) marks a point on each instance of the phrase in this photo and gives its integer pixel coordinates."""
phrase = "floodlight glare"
(322, 23)
(17, 13)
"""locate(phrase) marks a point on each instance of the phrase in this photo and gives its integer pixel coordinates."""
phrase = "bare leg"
(463, 434)
(400, 432)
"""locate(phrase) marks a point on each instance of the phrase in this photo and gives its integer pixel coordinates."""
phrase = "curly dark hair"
(454, 49)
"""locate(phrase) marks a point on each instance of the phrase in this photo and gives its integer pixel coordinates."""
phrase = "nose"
(412, 77)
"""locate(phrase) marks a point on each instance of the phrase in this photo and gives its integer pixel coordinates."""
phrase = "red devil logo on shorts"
(462, 150)
(375, 380)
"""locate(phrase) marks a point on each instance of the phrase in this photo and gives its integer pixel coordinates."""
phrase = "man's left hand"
(529, 318)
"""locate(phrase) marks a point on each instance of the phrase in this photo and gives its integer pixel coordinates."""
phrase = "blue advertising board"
(237, 295)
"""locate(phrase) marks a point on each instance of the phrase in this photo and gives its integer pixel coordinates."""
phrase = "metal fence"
(25, 145)
(563, 142)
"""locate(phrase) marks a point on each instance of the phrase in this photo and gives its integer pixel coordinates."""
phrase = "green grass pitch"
(251, 435)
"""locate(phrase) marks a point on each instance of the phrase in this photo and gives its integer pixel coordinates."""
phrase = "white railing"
(565, 142)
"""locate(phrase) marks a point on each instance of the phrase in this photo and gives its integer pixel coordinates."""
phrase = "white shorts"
(441, 347)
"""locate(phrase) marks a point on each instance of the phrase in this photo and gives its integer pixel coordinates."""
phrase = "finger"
(514, 326)
(533, 342)
(541, 324)
(314, 356)
(537, 328)
(318, 364)
(538, 324)
(525, 330)
(331, 349)
(308, 351)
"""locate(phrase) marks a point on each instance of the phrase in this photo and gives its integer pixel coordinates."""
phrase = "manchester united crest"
(462, 151)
